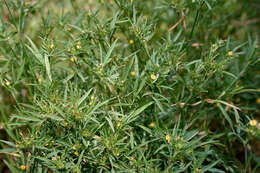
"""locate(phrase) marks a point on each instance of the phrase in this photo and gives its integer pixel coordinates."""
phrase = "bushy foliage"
(129, 86)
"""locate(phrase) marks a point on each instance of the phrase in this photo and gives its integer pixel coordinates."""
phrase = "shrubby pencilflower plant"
(128, 86)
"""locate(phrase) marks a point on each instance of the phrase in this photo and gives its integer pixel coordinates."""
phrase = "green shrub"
(116, 86)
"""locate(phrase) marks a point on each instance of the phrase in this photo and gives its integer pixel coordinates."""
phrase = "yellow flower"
(52, 46)
(258, 100)
(72, 58)
(131, 41)
(167, 137)
(132, 73)
(74, 147)
(151, 124)
(197, 170)
(22, 167)
(39, 79)
(7, 83)
(78, 45)
(27, 3)
(118, 125)
(76, 153)
(131, 0)
(253, 122)
(153, 77)
(230, 53)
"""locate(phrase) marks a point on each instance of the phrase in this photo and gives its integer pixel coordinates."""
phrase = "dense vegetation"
(129, 86)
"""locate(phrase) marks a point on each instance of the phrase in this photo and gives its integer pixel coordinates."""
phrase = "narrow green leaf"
(47, 65)
(84, 97)
(110, 124)
(134, 114)
(107, 58)
(226, 116)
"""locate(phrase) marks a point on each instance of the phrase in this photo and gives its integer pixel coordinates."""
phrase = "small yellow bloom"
(197, 170)
(74, 147)
(7, 83)
(253, 122)
(151, 124)
(27, 3)
(52, 46)
(76, 153)
(167, 137)
(72, 58)
(132, 73)
(92, 97)
(78, 45)
(258, 100)
(22, 167)
(153, 77)
(39, 80)
(131, 41)
(230, 53)
(118, 125)
(131, 0)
